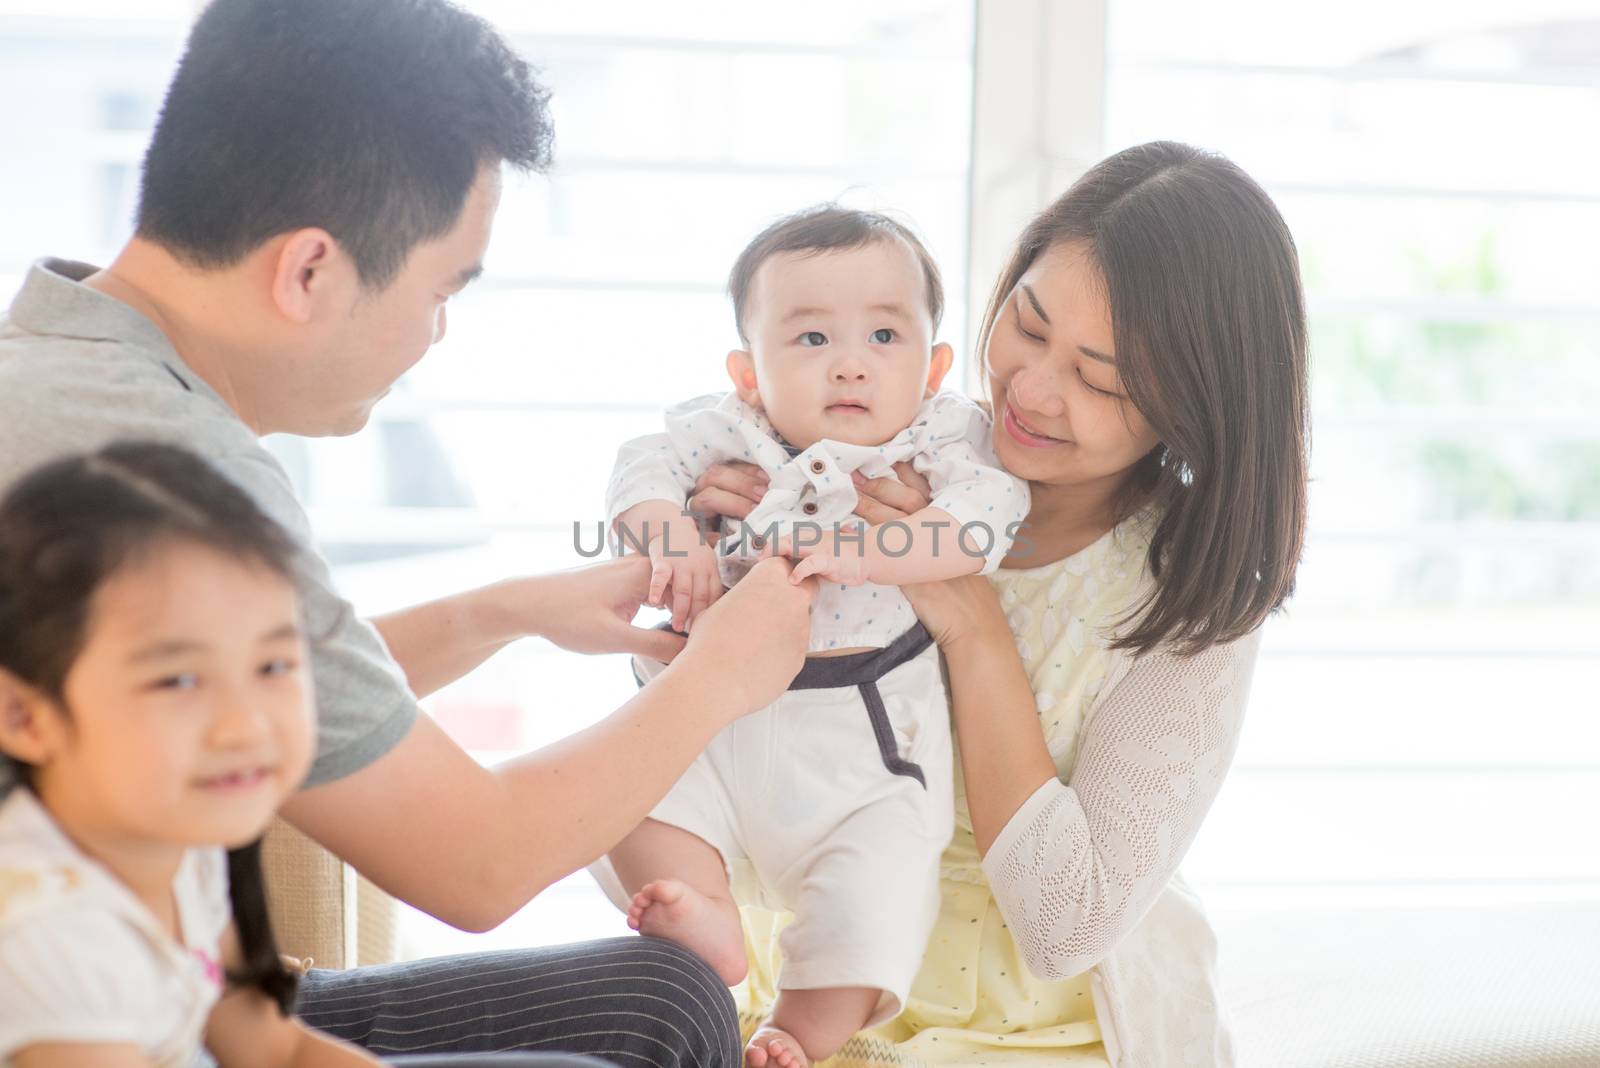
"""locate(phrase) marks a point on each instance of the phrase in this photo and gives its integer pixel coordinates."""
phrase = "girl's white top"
(83, 960)
(948, 442)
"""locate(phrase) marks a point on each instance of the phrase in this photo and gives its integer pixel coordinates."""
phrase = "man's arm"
(586, 609)
(472, 845)
(437, 643)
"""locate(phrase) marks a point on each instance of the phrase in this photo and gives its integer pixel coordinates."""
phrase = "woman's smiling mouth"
(1024, 434)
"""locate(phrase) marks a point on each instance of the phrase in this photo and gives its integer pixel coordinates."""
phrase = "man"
(322, 179)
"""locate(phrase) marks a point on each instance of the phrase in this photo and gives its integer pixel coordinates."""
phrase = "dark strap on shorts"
(856, 669)
(863, 670)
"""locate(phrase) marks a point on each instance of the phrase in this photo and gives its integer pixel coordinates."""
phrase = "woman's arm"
(1004, 758)
(1078, 864)
(1075, 866)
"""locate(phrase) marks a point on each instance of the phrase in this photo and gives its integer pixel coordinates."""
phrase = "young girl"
(154, 699)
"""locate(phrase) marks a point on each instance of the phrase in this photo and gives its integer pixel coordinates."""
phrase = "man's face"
(841, 344)
(387, 331)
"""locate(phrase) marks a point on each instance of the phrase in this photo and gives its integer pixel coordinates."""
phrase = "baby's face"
(841, 344)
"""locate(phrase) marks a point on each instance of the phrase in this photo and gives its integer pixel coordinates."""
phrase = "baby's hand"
(845, 570)
(841, 560)
(687, 567)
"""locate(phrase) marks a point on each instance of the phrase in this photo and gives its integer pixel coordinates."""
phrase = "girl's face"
(189, 709)
(1061, 415)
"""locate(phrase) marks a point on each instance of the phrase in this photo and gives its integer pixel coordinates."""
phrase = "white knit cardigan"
(1085, 871)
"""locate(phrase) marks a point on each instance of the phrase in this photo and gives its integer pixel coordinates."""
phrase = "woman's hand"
(952, 609)
(731, 489)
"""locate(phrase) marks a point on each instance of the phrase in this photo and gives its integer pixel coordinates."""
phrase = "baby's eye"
(813, 338)
(883, 336)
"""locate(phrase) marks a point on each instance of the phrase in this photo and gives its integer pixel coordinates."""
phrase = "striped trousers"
(633, 1002)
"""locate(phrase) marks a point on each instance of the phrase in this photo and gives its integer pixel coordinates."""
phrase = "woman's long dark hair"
(1208, 320)
(65, 529)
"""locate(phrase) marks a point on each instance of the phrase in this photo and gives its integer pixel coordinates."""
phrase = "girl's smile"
(239, 781)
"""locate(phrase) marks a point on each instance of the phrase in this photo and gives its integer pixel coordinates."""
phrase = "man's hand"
(756, 635)
(590, 609)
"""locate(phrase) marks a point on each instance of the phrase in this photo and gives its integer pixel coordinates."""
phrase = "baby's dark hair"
(67, 528)
(826, 228)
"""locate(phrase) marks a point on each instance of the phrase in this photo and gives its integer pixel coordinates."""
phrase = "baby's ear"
(939, 366)
(742, 370)
(25, 733)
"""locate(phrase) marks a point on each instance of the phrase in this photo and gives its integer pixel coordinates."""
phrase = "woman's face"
(1061, 414)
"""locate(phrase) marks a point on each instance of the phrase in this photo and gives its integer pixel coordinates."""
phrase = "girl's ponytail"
(263, 967)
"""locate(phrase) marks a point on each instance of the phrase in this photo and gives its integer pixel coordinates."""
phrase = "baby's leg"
(680, 893)
(810, 1025)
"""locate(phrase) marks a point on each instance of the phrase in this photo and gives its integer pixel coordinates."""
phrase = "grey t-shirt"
(79, 370)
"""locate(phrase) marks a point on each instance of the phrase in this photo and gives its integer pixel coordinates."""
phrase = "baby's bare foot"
(676, 911)
(773, 1047)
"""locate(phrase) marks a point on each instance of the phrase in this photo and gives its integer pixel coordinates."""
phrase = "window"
(1422, 724)
(92, 76)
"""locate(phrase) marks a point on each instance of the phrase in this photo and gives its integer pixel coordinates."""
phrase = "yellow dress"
(974, 1002)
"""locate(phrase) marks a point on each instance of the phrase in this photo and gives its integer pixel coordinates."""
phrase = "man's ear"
(939, 366)
(742, 370)
(26, 732)
(308, 270)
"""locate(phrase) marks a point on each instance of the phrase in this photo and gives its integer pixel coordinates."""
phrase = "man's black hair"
(367, 118)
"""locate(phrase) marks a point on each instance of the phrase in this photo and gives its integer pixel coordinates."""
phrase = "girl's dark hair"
(68, 527)
(1209, 325)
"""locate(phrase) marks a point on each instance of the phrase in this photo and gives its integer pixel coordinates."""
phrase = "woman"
(1145, 359)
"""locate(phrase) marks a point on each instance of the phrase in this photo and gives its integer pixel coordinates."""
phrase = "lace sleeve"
(1080, 863)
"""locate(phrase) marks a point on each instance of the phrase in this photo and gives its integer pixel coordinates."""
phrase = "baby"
(835, 802)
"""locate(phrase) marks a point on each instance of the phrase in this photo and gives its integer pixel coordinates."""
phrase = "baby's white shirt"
(83, 960)
(948, 442)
